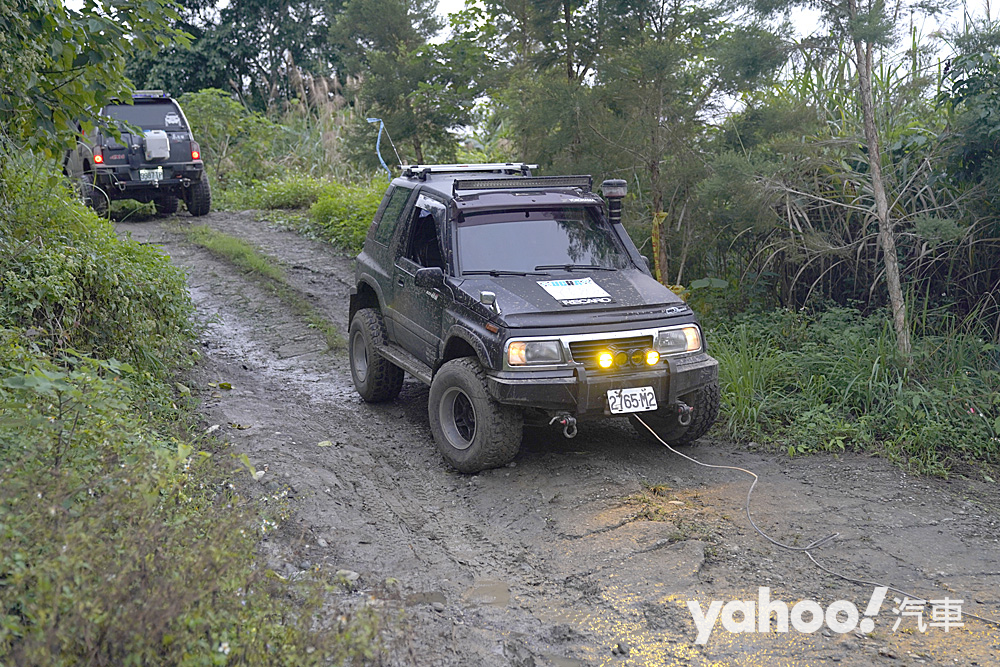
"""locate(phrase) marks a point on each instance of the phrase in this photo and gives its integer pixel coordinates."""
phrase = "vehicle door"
(418, 310)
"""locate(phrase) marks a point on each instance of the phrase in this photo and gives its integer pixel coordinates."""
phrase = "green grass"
(832, 381)
(268, 272)
(335, 212)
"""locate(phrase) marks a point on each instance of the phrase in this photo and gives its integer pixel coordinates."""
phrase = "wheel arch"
(365, 295)
(460, 342)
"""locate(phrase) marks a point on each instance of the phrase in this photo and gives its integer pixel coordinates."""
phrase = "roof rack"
(521, 183)
(422, 170)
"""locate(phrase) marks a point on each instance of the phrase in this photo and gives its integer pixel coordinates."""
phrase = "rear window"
(156, 116)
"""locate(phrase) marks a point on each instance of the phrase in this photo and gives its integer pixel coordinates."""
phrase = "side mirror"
(430, 277)
(489, 299)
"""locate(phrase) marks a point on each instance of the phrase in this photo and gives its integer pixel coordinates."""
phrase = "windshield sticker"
(576, 292)
(171, 119)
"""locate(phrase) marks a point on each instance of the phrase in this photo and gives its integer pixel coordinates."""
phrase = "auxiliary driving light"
(605, 359)
(652, 356)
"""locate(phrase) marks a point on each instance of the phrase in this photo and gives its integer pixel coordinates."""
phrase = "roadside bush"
(119, 545)
(72, 284)
(124, 539)
(293, 191)
(339, 213)
(343, 213)
(832, 381)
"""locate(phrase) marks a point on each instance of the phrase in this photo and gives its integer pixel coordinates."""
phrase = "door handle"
(399, 281)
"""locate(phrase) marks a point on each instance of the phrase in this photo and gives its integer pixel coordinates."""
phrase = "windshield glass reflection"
(538, 242)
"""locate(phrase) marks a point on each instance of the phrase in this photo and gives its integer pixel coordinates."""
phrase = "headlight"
(520, 353)
(675, 341)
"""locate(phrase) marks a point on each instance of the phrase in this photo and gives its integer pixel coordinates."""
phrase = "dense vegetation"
(826, 203)
(126, 537)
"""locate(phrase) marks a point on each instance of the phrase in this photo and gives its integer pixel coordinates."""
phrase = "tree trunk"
(418, 149)
(659, 245)
(886, 233)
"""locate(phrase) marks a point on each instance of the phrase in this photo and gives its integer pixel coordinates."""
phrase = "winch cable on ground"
(812, 545)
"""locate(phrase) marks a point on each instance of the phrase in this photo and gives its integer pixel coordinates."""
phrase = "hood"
(577, 298)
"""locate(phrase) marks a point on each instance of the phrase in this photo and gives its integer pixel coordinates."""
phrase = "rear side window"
(156, 116)
(390, 215)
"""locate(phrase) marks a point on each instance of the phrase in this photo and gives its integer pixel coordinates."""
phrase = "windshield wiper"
(574, 267)
(499, 272)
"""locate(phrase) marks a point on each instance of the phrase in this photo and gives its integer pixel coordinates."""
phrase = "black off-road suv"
(160, 163)
(515, 296)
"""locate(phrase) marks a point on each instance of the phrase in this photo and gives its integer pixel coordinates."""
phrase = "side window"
(424, 247)
(390, 215)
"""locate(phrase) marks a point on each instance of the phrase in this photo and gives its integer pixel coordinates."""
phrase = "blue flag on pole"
(378, 144)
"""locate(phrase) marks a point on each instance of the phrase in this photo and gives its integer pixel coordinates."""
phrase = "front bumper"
(583, 392)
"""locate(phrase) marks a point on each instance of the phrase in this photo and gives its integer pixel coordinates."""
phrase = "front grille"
(586, 351)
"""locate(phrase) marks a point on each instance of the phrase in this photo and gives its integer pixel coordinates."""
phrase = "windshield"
(538, 241)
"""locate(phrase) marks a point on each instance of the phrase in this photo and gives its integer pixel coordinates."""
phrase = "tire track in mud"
(552, 561)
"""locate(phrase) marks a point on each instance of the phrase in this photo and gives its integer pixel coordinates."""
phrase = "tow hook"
(568, 422)
(684, 412)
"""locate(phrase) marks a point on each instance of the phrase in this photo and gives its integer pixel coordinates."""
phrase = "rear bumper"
(128, 181)
(583, 392)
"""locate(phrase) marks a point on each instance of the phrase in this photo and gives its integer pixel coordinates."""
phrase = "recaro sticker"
(576, 292)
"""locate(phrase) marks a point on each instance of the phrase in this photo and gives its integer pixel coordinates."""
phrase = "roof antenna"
(378, 144)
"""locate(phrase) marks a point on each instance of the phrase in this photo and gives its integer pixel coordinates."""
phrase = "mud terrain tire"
(705, 402)
(472, 430)
(376, 378)
(166, 205)
(93, 196)
(198, 197)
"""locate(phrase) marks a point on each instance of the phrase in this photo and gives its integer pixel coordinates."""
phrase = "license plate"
(636, 399)
(151, 174)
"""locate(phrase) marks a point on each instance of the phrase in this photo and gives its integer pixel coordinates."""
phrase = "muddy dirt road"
(583, 551)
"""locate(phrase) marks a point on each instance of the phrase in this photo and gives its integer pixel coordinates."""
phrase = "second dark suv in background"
(155, 160)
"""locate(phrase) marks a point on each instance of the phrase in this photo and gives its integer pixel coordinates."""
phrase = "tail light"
(195, 151)
(99, 156)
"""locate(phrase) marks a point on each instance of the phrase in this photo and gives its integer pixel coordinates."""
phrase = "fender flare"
(367, 282)
(476, 343)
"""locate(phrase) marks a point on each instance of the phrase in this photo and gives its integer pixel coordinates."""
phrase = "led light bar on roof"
(583, 182)
(148, 93)
(421, 170)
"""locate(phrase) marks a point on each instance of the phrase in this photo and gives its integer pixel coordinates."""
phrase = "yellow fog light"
(652, 356)
(604, 359)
